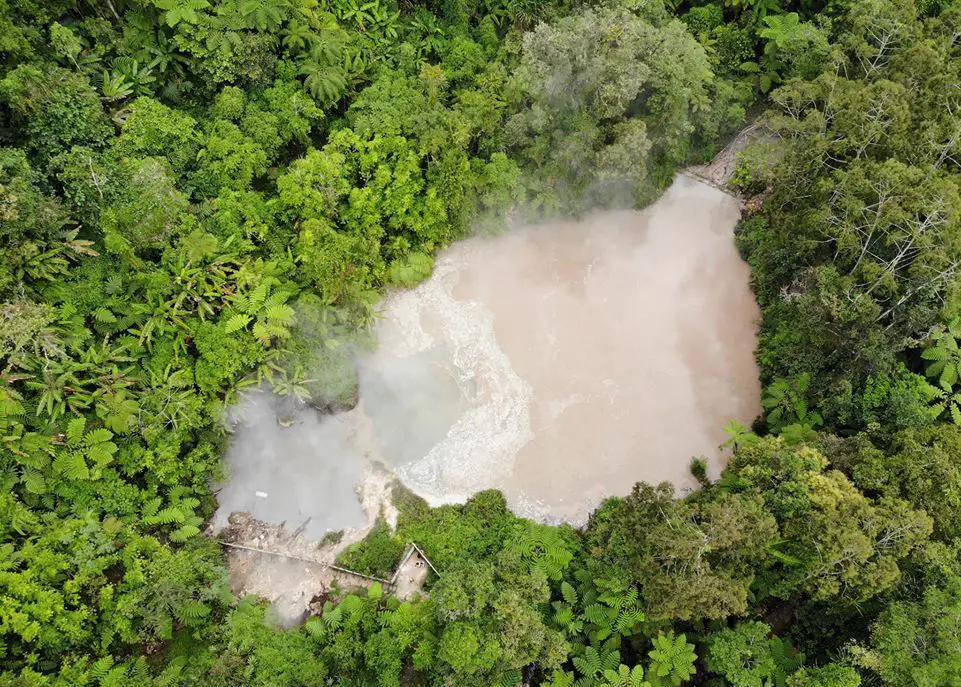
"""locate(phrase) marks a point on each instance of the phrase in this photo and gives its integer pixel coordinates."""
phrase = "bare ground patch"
(290, 570)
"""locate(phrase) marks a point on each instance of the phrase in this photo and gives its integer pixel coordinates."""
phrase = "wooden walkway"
(391, 583)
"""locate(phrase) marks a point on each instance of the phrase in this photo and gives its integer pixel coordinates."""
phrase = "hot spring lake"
(560, 363)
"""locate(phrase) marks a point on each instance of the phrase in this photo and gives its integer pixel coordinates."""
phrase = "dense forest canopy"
(199, 197)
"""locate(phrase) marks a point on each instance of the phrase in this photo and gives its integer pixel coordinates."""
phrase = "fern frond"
(71, 465)
(104, 316)
(152, 507)
(98, 436)
(275, 299)
(280, 314)
(333, 618)
(237, 322)
(102, 454)
(184, 533)
(627, 620)
(100, 668)
(33, 481)
(262, 332)
(316, 628)
(167, 516)
(935, 353)
(588, 664)
(75, 429)
(192, 612)
(599, 614)
(257, 297)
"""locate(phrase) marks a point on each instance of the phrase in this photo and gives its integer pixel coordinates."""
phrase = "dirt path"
(719, 171)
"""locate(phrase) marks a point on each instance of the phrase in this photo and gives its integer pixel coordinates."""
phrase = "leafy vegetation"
(199, 197)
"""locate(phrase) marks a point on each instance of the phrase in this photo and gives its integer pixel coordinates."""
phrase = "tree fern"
(333, 616)
(543, 547)
(316, 628)
(181, 10)
(256, 298)
(672, 659)
(116, 677)
(263, 332)
(167, 516)
(738, 435)
(21, 519)
(599, 614)
(104, 316)
(625, 677)
(151, 507)
(593, 662)
(326, 83)
(139, 672)
(281, 314)
(944, 356)
(511, 678)
(97, 437)
(561, 679)
(33, 481)
(950, 400)
(627, 620)
(263, 15)
(588, 663)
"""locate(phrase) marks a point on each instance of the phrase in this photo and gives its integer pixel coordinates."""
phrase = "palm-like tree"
(672, 659)
(140, 77)
(625, 676)
(425, 26)
(324, 82)
(297, 37)
(786, 403)
(360, 13)
(327, 47)
(263, 15)
(738, 435)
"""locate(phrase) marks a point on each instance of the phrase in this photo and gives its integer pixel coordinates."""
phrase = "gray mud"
(307, 472)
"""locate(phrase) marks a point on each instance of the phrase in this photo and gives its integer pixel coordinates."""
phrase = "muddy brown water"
(560, 363)
(563, 362)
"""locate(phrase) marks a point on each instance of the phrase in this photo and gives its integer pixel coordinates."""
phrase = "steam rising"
(306, 472)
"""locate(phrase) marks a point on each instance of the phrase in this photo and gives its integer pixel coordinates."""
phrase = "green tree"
(55, 108)
(607, 115)
(840, 544)
(747, 656)
(786, 403)
(915, 642)
(831, 675)
(919, 467)
(690, 560)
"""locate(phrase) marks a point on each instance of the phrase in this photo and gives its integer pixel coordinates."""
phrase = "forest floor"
(292, 571)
